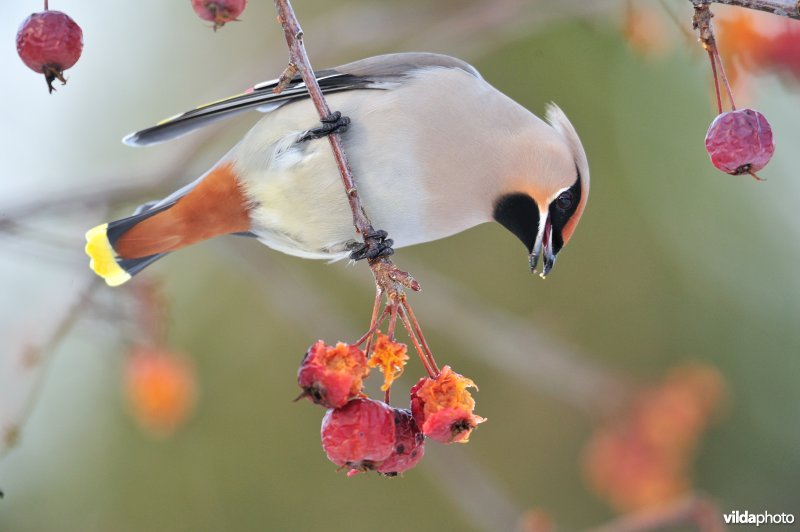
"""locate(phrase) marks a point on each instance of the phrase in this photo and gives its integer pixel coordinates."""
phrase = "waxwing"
(434, 149)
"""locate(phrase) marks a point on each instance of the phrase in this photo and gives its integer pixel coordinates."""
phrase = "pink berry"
(443, 407)
(332, 375)
(740, 142)
(409, 445)
(359, 435)
(49, 43)
(219, 11)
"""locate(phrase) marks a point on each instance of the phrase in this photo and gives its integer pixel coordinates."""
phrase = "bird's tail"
(213, 205)
(104, 259)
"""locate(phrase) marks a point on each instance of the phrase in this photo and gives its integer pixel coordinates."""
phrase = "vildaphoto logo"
(763, 518)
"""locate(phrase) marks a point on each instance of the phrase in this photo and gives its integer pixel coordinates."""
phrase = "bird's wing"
(379, 72)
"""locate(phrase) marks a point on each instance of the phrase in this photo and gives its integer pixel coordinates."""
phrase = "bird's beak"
(543, 248)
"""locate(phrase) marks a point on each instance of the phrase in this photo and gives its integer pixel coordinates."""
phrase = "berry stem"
(702, 23)
(392, 321)
(420, 335)
(374, 321)
(716, 79)
(724, 76)
(46, 5)
(375, 324)
(430, 366)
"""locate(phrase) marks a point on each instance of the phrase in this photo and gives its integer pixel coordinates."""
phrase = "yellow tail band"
(103, 260)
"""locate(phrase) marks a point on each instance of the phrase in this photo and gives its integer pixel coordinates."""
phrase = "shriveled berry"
(332, 375)
(740, 142)
(409, 445)
(442, 407)
(360, 435)
(219, 11)
(390, 356)
(49, 43)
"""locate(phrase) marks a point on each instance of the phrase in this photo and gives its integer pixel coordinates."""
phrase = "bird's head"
(544, 201)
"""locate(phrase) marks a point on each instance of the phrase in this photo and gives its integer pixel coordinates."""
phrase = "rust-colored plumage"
(216, 206)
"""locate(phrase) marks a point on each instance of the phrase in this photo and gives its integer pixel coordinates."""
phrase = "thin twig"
(782, 8)
(286, 77)
(389, 279)
(387, 276)
(375, 323)
(38, 355)
(513, 345)
(694, 509)
(430, 368)
(299, 58)
(417, 331)
(701, 21)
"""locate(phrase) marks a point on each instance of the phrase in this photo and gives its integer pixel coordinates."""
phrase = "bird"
(434, 148)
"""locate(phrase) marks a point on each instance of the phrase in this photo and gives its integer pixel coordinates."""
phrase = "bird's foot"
(333, 123)
(376, 244)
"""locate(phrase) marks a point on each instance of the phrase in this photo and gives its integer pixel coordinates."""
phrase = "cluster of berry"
(362, 434)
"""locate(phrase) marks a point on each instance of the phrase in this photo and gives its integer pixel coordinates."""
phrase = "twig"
(515, 346)
(694, 509)
(389, 279)
(9, 435)
(387, 276)
(701, 21)
(115, 190)
(782, 8)
(286, 77)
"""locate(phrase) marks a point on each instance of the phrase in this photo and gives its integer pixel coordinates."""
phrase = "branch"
(694, 509)
(39, 357)
(389, 278)
(782, 8)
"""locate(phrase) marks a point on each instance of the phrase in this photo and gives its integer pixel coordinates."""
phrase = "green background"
(673, 261)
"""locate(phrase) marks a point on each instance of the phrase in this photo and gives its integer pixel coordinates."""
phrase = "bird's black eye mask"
(561, 210)
(519, 214)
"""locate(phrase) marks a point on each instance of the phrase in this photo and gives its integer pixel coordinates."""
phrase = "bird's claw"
(333, 123)
(376, 244)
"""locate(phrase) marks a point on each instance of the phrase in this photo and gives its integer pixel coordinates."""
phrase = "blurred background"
(659, 361)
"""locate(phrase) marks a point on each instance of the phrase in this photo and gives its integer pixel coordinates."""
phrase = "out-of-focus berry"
(49, 43)
(645, 30)
(219, 11)
(360, 435)
(332, 375)
(535, 520)
(160, 388)
(630, 474)
(409, 445)
(390, 357)
(642, 460)
(443, 408)
(740, 142)
(752, 42)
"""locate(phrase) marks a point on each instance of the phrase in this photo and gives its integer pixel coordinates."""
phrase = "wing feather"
(379, 72)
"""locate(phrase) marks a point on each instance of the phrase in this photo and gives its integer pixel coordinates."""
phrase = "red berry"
(332, 375)
(443, 408)
(409, 445)
(49, 43)
(359, 435)
(219, 11)
(740, 142)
